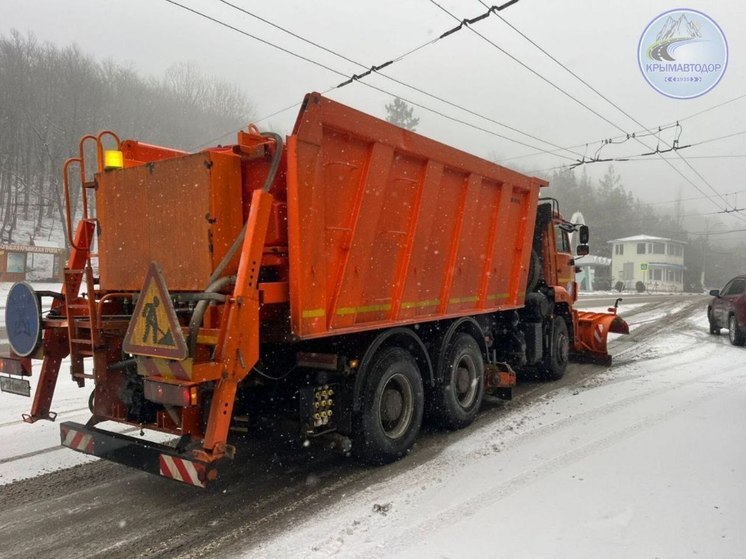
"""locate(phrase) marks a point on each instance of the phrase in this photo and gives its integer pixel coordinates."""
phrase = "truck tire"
(555, 361)
(457, 400)
(391, 408)
(735, 334)
(714, 328)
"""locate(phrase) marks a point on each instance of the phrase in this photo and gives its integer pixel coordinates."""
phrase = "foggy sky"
(597, 40)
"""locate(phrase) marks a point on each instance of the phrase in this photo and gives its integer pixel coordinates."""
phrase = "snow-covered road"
(639, 460)
(644, 460)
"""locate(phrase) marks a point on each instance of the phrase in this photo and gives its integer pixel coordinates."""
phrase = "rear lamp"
(172, 394)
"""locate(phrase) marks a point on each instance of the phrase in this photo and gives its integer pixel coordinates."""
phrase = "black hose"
(220, 268)
(199, 310)
(216, 282)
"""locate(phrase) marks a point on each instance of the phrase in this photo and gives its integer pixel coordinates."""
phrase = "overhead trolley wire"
(625, 113)
(377, 68)
(646, 132)
(339, 73)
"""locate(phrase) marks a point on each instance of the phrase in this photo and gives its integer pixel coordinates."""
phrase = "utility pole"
(704, 252)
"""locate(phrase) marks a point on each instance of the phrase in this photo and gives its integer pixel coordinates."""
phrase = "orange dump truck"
(355, 279)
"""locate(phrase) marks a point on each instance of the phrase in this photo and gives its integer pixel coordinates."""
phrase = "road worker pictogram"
(154, 329)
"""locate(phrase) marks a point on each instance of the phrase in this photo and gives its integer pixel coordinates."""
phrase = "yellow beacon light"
(113, 159)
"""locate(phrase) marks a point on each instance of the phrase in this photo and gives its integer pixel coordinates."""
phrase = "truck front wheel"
(391, 408)
(555, 362)
(458, 399)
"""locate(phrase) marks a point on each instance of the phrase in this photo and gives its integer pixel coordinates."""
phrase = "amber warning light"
(113, 159)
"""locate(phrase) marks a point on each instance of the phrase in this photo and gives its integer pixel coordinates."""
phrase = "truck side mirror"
(583, 250)
(583, 233)
(715, 292)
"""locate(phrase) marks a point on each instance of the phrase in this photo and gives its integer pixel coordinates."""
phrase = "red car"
(728, 310)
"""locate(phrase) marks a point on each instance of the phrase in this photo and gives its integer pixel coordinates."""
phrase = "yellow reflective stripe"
(314, 313)
(369, 308)
(420, 304)
(496, 296)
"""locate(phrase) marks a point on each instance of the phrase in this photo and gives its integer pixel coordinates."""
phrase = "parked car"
(728, 310)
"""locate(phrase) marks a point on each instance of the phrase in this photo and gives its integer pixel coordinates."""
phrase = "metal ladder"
(81, 312)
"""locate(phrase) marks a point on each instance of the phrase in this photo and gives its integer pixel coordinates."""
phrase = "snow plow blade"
(143, 455)
(591, 331)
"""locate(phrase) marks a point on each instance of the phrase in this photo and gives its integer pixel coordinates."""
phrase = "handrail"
(81, 161)
(106, 298)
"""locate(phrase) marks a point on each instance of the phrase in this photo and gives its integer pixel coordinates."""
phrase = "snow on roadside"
(645, 460)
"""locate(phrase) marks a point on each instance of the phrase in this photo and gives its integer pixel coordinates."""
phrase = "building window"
(16, 262)
(619, 249)
(656, 274)
(640, 248)
(659, 248)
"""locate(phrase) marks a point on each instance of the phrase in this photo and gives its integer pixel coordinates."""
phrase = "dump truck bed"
(388, 227)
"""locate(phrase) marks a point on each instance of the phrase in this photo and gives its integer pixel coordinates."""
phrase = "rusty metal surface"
(182, 213)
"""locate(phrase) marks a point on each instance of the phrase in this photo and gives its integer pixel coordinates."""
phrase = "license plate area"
(19, 386)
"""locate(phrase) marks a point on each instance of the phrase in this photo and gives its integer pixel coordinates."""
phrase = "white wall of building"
(655, 261)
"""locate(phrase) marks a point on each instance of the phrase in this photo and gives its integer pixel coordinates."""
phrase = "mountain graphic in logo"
(674, 32)
(682, 53)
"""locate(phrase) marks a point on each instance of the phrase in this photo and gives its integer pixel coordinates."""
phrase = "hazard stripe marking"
(78, 441)
(180, 470)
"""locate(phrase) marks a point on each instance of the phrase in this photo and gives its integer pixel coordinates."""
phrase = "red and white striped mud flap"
(77, 440)
(182, 470)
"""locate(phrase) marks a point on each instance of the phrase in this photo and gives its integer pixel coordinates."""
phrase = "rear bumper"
(142, 455)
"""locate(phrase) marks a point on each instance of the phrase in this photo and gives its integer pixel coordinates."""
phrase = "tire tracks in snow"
(402, 542)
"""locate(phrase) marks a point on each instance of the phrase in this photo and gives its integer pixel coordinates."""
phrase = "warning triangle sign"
(154, 330)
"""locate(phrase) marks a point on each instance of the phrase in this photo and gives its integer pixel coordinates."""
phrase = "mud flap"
(591, 332)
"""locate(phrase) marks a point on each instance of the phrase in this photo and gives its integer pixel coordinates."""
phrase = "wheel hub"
(391, 406)
(462, 380)
(397, 406)
(465, 381)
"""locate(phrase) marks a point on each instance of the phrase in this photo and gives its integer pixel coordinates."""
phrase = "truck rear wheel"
(458, 399)
(555, 362)
(392, 405)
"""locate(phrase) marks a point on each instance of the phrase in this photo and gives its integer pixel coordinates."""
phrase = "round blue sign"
(23, 319)
(683, 53)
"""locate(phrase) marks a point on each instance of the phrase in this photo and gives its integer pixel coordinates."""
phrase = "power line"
(617, 107)
(643, 132)
(377, 68)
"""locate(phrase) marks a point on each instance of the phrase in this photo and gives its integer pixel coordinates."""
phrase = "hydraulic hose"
(216, 282)
(267, 185)
(201, 307)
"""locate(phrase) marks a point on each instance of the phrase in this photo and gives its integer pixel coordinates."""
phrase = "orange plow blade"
(591, 331)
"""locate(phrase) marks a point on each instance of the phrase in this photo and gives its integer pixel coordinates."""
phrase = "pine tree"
(400, 113)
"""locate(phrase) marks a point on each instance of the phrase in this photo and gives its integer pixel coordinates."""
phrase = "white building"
(655, 261)
(594, 273)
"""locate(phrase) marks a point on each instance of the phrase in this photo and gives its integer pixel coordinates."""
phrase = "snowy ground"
(645, 460)
(640, 460)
